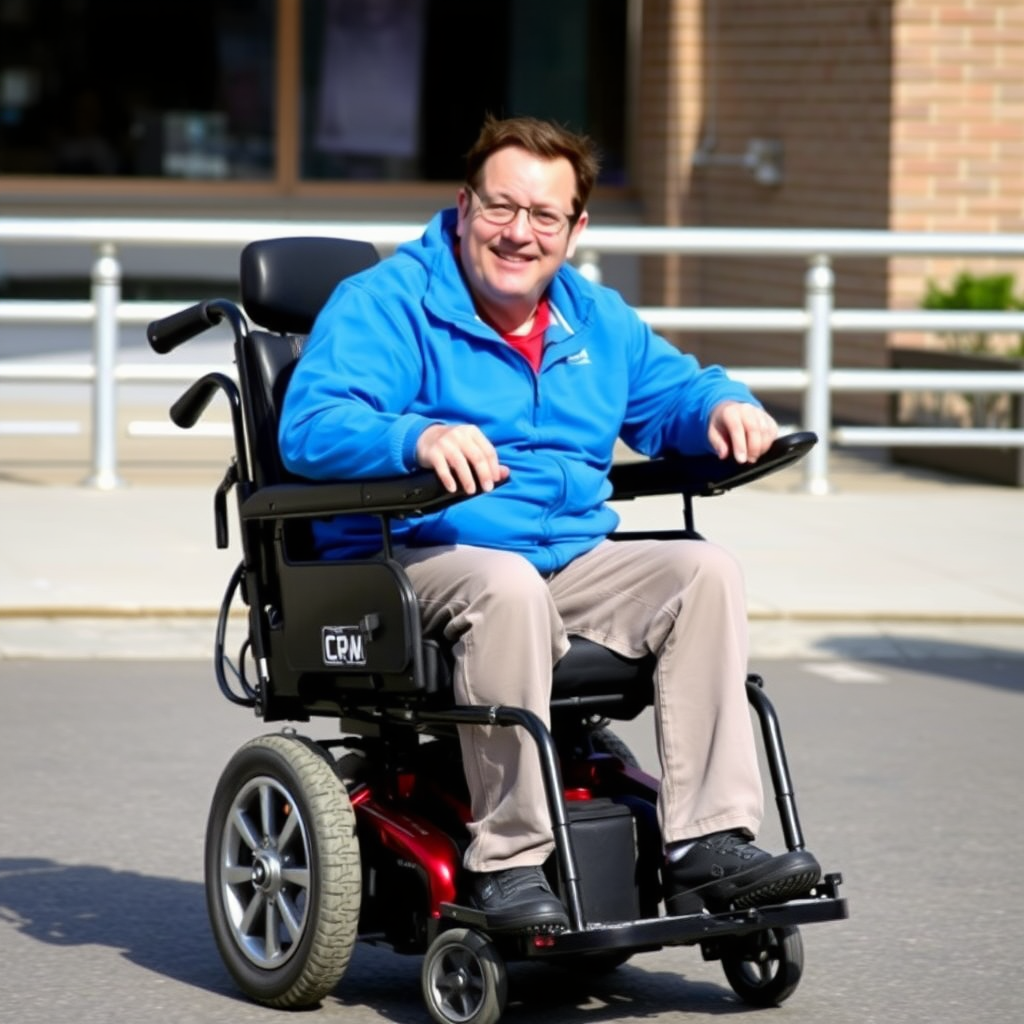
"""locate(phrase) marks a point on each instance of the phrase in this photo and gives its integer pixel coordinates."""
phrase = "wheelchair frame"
(389, 688)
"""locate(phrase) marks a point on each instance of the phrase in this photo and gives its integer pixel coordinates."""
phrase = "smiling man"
(479, 352)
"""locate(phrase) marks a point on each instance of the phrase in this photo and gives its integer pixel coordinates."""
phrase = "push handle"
(192, 404)
(167, 334)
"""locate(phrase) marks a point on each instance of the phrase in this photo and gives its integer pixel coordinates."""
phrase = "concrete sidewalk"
(135, 571)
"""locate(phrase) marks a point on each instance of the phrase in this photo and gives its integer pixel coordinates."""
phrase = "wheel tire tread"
(338, 869)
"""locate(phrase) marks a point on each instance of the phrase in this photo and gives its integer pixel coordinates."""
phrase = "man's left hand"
(741, 430)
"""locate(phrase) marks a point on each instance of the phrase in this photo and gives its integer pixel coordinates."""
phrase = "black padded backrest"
(286, 281)
(266, 365)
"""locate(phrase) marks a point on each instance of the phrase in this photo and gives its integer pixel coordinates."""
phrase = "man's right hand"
(461, 456)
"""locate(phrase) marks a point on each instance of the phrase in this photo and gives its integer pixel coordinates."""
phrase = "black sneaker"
(516, 899)
(723, 870)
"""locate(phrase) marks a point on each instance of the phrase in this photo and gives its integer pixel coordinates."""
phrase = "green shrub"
(990, 292)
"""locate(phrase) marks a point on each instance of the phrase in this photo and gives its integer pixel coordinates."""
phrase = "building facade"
(904, 115)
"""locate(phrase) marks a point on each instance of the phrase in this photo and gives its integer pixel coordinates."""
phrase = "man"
(479, 352)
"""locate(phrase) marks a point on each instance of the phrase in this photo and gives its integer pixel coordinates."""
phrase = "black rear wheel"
(605, 741)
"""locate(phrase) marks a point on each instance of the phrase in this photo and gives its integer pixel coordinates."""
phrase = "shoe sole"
(789, 888)
(795, 876)
(530, 923)
(541, 917)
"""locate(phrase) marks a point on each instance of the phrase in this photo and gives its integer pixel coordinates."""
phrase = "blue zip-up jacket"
(400, 346)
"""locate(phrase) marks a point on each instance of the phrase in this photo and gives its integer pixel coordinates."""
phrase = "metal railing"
(817, 320)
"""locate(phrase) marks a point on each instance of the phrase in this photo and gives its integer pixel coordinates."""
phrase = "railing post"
(106, 296)
(819, 287)
(589, 265)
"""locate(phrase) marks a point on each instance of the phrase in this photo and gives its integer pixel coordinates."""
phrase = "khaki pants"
(681, 600)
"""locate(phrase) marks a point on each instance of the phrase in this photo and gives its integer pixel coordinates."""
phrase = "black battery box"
(604, 841)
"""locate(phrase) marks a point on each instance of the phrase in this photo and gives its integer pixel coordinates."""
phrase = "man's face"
(510, 266)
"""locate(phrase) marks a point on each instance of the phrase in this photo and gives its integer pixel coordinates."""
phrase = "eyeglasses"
(543, 219)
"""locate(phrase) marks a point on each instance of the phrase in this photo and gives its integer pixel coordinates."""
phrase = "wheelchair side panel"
(348, 617)
(338, 636)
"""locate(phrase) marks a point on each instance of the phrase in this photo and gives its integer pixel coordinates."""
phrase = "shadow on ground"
(157, 923)
(984, 664)
(160, 924)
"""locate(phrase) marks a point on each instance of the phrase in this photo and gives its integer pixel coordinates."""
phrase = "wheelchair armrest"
(705, 475)
(401, 496)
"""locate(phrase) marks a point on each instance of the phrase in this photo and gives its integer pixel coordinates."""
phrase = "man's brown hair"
(542, 138)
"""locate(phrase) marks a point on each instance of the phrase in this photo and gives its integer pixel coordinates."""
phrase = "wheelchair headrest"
(286, 281)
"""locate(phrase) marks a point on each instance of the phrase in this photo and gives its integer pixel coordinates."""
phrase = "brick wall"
(668, 104)
(957, 129)
(903, 115)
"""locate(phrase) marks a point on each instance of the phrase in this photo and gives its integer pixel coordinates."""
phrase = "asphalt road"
(908, 782)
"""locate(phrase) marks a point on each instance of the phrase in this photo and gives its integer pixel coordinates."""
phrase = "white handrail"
(817, 319)
(768, 242)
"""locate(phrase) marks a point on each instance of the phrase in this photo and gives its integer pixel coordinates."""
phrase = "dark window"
(180, 89)
(390, 89)
(397, 89)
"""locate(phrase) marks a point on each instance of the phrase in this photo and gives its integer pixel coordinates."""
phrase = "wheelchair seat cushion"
(619, 687)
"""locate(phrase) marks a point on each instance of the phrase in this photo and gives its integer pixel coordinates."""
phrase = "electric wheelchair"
(313, 845)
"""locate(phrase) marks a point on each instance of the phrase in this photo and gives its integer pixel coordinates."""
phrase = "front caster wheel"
(464, 979)
(283, 880)
(764, 968)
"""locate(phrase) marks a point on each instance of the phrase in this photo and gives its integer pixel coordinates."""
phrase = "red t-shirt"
(531, 344)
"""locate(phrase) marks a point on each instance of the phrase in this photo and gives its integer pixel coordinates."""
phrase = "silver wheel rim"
(265, 874)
